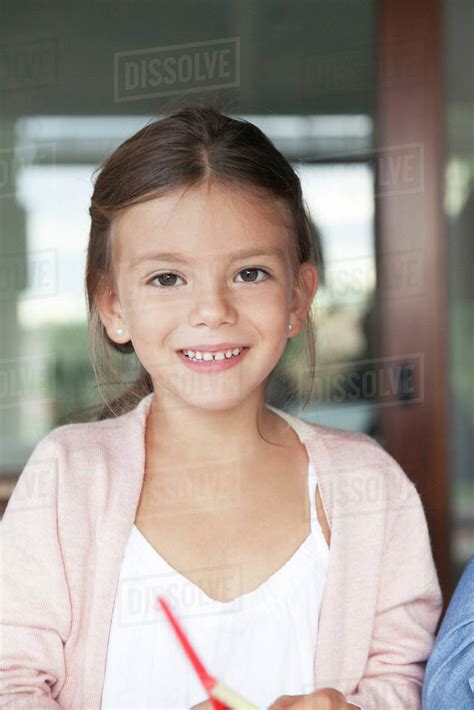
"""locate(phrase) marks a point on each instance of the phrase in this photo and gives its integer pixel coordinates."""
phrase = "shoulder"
(84, 436)
(83, 432)
(357, 474)
(354, 450)
(78, 462)
(344, 457)
(335, 436)
(86, 444)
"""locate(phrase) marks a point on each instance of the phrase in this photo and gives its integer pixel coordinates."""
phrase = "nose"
(212, 304)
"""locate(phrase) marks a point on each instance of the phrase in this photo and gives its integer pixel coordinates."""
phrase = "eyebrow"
(272, 251)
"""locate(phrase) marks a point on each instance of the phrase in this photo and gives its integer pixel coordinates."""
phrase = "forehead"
(201, 222)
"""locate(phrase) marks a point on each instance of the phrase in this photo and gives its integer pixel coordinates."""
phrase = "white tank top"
(261, 643)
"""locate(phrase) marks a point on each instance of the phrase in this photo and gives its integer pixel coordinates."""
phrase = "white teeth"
(221, 355)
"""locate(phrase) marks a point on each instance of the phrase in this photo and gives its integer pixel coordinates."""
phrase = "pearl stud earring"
(119, 331)
(290, 327)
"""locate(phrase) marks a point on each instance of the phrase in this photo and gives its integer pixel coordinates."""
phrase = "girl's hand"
(324, 699)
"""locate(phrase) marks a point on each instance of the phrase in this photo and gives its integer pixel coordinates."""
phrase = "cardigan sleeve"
(35, 611)
(409, 605)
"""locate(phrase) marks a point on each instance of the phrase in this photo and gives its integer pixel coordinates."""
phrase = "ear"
(111, 315)
(304, 290)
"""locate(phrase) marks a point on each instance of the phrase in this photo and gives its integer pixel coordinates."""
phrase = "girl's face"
(205, 266)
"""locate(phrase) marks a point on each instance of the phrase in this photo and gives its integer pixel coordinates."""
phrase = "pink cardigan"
(68, 520)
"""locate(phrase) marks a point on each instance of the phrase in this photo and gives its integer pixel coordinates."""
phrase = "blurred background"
(373, 104)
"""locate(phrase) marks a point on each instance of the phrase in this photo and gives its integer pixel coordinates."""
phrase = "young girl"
(296, 556)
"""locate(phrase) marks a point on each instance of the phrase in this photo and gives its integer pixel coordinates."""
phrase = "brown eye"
(165, 280)
(253, 271)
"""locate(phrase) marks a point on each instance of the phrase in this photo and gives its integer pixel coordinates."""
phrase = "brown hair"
(195, 145)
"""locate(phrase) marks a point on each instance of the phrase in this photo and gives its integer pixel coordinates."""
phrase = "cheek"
(270, 309)
(145, 312)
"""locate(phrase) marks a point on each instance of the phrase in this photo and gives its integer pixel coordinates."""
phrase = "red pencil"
(216, 690)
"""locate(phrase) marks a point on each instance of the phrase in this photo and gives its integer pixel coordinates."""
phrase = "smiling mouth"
(211, 364)
(219, 356)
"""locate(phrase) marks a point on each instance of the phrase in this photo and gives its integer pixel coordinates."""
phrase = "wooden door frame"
(411, 244)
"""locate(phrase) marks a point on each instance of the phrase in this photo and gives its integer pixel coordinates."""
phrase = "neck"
(196, 434)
